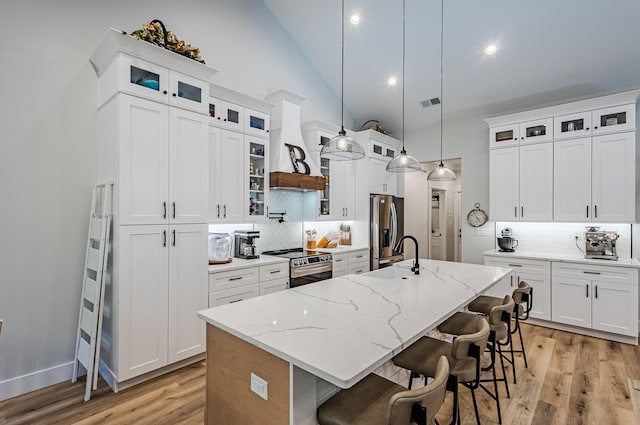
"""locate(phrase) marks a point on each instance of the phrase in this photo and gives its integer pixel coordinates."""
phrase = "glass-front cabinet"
(505, 135)
(258, 178)
(618, 118)
(536, 131)
(325, 194)
(572, 125)
(256, 122)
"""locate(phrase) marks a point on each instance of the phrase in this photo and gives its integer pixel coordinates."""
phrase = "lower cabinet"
(537, 273)
(161, 284)
(603, 298)
(355, 262)
(235, 285)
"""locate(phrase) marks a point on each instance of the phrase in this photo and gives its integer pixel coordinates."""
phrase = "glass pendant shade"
(342, 148)
(403, 163)
(441, 174)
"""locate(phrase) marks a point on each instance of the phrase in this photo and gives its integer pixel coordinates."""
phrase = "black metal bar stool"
(378, 401)
(464, 355)
(461, 323)
(523, 299)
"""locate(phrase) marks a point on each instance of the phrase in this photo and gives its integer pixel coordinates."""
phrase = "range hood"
(291, 165)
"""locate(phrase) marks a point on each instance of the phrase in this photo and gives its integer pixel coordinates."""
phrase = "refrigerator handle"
(375, 229)
(394, 226)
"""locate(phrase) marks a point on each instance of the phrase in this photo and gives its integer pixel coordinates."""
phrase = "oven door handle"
(309, 270)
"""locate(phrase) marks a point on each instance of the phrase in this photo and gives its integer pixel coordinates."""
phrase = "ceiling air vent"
(430, 102)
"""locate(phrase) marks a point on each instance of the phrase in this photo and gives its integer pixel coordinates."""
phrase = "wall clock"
(477, 217)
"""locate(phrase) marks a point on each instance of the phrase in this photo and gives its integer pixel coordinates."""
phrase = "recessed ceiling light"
(491, 49)
(392, 81)
(355, 19)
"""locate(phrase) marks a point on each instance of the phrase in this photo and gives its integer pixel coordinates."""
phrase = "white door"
(613, 178)
(541, 289)
(504, 181)
(143, 161)
(536, 182)
(615, 308)
(571, 301)
(572, 180)
(342, 190)
(188, 166)
(227, 176)
(142, 288)
(188, 289)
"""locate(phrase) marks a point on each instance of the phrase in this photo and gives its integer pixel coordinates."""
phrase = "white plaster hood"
(286, 140)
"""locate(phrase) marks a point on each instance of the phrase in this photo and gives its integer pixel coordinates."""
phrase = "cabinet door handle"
(218, 210)
(587, 211)
(587, 286)
(174, 95)
(164, 92)
(521, 212)
(595, 211)
(596, 291)
(511, 280)
(235, 278)
(515, 211)
(173, 241)
(173, 214)
(164, 210)
(588, 272)
(164, 238)
(225, 211)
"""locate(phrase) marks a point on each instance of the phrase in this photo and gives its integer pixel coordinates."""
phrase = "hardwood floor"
(571, 380)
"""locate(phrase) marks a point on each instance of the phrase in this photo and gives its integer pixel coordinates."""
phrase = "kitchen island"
(338, 330)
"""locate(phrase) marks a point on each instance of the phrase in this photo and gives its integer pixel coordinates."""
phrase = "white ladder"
(93, 284)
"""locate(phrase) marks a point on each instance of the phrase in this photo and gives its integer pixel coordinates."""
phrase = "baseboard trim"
(584, 331)
(19, 385)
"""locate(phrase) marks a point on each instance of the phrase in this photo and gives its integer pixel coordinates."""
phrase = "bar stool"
(523, 298)
(378, 401)
(464, 355)
(499, 316)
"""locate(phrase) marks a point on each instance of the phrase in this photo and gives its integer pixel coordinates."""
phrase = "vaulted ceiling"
(550, 51)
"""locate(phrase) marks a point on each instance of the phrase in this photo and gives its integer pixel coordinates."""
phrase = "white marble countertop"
(343, 249)
(530, 255)
(241, 263)
(343, 328)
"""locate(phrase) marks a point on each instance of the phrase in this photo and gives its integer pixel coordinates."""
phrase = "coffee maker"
(245, 244)
(506, 242)
(600, 244)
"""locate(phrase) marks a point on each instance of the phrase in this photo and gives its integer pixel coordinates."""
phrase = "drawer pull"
(274, 271)
(338, 260)
(515, 265)
(588, 272)
(235, 278)
(235, 301)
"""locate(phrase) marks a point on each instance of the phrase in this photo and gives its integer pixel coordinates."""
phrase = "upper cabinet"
(380, 150)
(586, 165)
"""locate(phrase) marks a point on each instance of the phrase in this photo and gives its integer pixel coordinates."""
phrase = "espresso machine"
(600, 244)
(245, 244)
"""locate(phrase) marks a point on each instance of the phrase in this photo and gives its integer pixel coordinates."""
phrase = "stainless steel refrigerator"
(387, 226)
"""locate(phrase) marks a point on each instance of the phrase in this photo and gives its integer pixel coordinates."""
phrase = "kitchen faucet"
(416, 264)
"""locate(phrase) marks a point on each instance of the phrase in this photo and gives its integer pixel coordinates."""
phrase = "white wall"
(48, 137)
(466, 136)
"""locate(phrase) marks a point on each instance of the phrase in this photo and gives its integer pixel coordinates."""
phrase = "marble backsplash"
(559, 238)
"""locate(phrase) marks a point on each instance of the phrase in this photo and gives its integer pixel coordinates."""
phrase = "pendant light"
(441, 173)
(403, 163)
(342, 147)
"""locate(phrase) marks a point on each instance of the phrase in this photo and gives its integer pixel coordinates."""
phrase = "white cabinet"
(381, 181)
(537, 274)
(355, 262)
(536, 131)
(256, 123)
(614, 119)
(163, 173)
(337, 200)
(154, 82)
(572, 125)
(521, 183)
(603, 298)
(594, 179)
(256, 169)
(160, 285)
(226, 173)
(226, 115)
(239, 284)
(504, 136)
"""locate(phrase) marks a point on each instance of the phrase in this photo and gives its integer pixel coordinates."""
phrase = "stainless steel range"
(305, 266)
